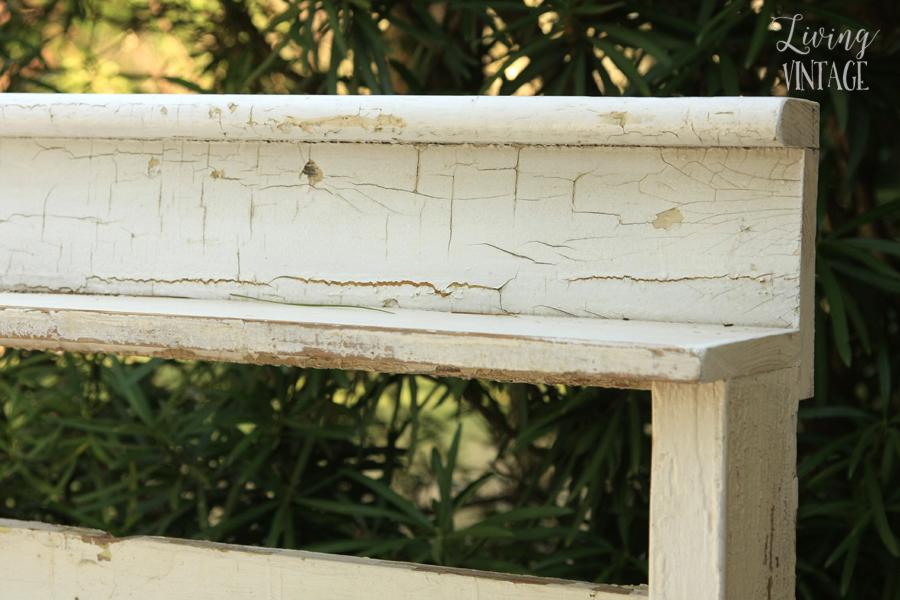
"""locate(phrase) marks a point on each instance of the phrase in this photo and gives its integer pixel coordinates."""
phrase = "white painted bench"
(647, 243)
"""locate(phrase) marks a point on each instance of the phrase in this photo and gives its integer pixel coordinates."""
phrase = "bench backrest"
(687, 210)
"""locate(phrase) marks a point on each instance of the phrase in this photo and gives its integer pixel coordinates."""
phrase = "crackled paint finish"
(62, 563)
(585, 232)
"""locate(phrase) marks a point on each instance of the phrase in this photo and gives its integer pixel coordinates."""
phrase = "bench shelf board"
(62, 563)
(513, 347)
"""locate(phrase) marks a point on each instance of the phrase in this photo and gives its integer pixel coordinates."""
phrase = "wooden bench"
(664, 244)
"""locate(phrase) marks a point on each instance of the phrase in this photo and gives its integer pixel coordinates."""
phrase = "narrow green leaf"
(596, 9)
(363, 546)
(876, 502)
(884, 373)
(623, 63)
(861, 447)
(859, 322)
(729, 11)
(760, 33)
(464, 496)
(190, 85)
(880, 212)
(131, 392)
(849, 566)
(808, 465)
(888, 284)
(891, 247)
(335, 24)
(356, 510)
(636, 39)
(391, 496)
(838, 315)
(527, 513)
(729, 75)
(862, 256)
(832, 412)
(480, 530)
(850, 538)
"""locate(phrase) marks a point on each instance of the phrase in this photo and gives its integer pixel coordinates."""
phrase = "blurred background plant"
(536, 479)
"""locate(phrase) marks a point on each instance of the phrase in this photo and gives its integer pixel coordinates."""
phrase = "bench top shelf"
(503, 347)
(546, 121)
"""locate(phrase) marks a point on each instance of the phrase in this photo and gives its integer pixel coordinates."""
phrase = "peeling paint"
(313, 173)
(343, 122)
(104, 539)
(112, 280)
(445, 292)
(667, 218)
(615, 118)
(105, 555)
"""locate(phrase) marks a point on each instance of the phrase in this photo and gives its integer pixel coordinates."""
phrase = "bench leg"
(723, 494)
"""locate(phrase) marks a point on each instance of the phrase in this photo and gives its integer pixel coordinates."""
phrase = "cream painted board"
(46, 562)
(723, 494)
(735, 122)
(702, 235)
(521, 348)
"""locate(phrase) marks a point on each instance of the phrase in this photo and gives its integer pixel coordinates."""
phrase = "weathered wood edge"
(710, 122)
(808, 273)
(150, 566)
(468, 354)
(798, 123)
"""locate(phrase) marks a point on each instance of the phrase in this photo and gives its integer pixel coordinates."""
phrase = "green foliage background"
(545, 480)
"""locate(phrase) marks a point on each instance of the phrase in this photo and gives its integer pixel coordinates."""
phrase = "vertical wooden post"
(723, 496)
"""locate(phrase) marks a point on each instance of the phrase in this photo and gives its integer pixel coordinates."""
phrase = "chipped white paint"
(624, 242)
(735, 122)
(62, 563)
(723, 493)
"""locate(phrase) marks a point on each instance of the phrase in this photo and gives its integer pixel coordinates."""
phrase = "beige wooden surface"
(45, 562)
(723, 488)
